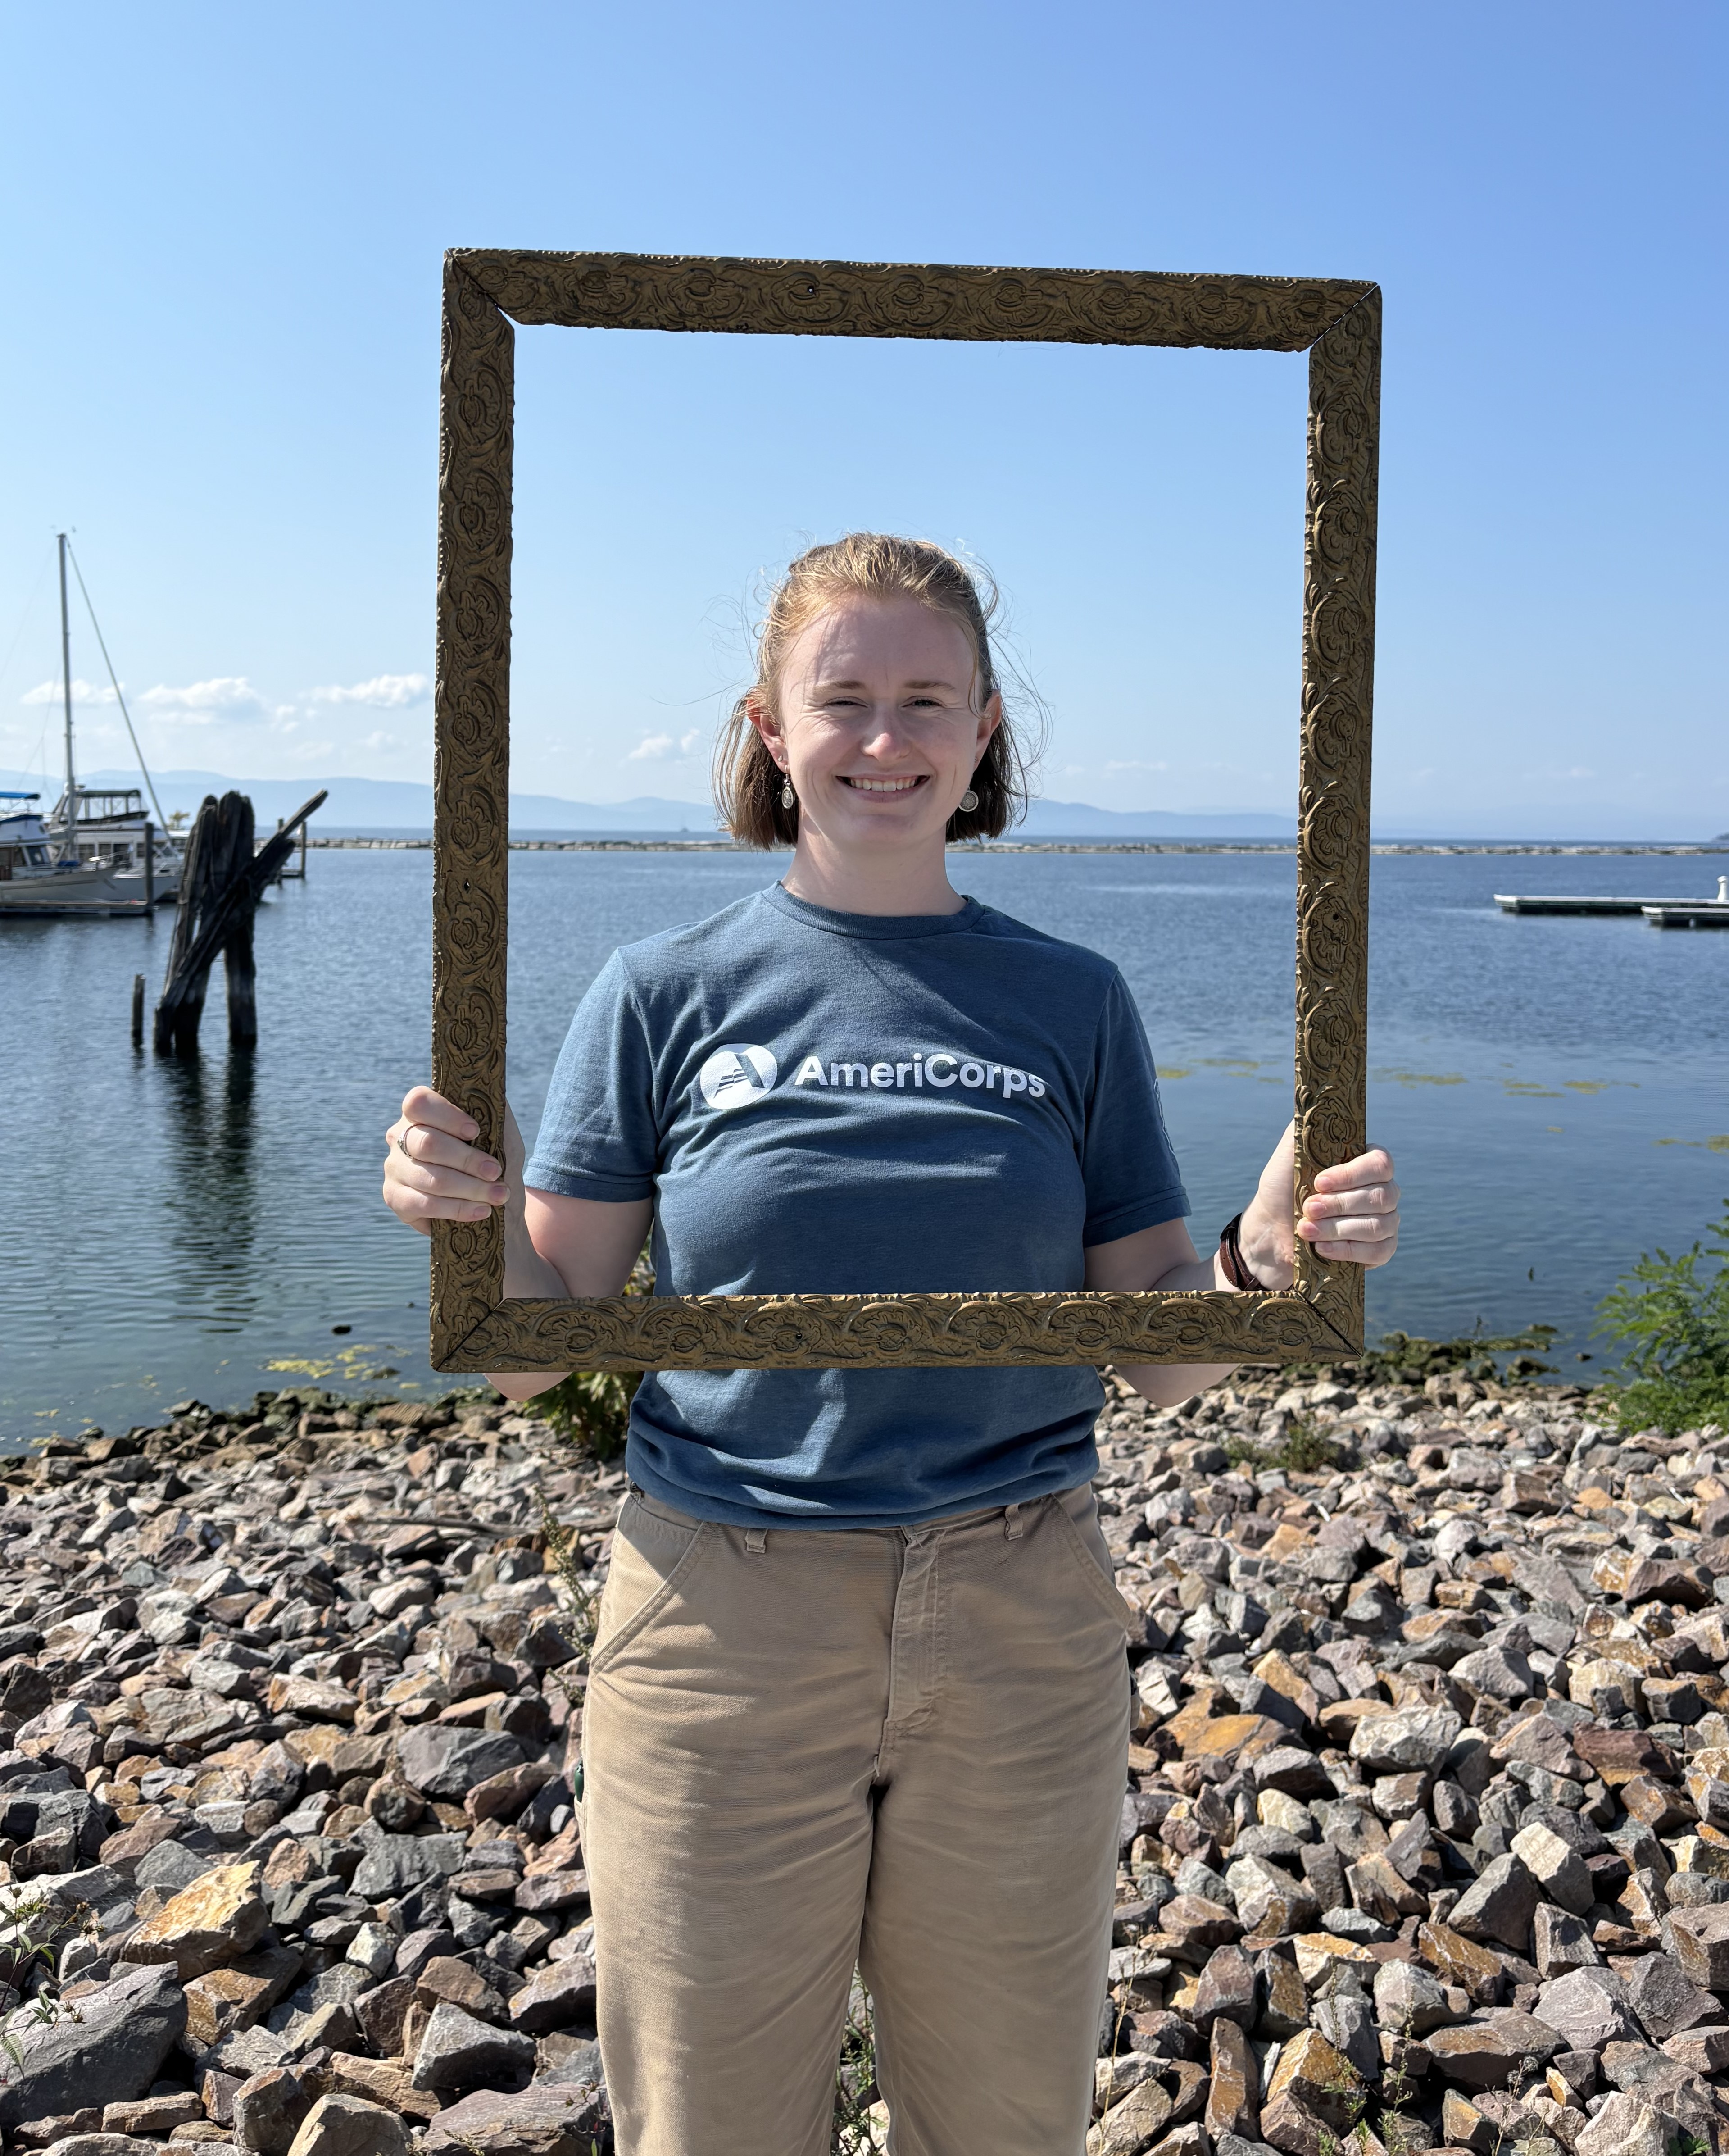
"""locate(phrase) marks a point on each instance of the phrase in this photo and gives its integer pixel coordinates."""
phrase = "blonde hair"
(864, 565)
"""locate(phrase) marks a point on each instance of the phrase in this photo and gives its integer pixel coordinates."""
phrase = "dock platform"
(1671, 913)
(1509, 903)
(1660, 912)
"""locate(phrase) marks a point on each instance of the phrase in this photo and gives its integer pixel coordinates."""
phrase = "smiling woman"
(860, 1658)
(872, 626)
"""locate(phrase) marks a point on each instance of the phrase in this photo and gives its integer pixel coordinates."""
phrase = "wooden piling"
(137, 1010)
(222, 881)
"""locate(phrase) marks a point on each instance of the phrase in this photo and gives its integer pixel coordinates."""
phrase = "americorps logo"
(736, 1075)
(741, 1073)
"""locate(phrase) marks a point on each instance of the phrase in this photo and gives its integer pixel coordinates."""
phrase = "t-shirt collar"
(882, 927)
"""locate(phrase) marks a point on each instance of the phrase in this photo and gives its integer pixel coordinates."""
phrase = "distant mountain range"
(392, 805)
(387, 806)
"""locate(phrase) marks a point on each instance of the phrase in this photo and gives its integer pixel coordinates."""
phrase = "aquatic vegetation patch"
(1671, 1316)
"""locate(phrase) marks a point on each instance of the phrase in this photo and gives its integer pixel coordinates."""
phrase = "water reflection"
(214, 1200)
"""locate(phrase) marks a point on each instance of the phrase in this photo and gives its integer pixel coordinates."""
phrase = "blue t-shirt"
(840, 1104)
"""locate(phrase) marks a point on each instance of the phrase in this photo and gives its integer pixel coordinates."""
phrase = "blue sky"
(223, 227)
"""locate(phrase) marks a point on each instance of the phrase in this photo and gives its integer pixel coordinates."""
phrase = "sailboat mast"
(66, 677)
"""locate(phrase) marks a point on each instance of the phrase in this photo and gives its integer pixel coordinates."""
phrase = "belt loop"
(1012, 1526)
(755, 1540)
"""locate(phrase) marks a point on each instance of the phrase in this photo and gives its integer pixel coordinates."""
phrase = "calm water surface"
(1556, 1093)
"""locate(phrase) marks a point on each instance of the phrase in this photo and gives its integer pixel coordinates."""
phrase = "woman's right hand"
(433, 1172)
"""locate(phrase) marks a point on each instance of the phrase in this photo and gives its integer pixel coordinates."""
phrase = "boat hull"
(72, 893)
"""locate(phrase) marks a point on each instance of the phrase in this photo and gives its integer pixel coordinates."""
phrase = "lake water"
(1556, 1091)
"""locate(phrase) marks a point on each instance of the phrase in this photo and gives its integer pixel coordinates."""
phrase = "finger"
(447, 1183)
(421, 1105)
(423, 1144)
(1356, 1253)
(418, 1209)
(1374, 1165)
(1364, 1228)
(1374, 1198)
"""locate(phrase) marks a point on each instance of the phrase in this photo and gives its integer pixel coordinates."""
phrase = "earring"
(968, 802)
(789, 799)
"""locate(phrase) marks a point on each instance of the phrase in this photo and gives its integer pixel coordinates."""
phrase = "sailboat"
(96, 852)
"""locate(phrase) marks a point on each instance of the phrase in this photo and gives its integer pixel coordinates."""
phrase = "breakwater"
(1425, 1822)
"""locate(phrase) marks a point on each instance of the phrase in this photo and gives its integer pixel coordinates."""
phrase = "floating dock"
(1708, 913)
(1660, 912)
(1509, 903)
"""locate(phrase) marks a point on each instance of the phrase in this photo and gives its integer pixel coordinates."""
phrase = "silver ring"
(402, 1143)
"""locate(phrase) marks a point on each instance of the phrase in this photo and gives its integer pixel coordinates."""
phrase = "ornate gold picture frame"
(1338, 324)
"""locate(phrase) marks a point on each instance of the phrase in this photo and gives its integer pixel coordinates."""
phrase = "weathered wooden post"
(137, 1010)
(238, 965)
(223, 880)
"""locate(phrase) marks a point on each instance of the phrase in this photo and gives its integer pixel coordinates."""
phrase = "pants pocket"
(653, 1552)
(1077, 1519)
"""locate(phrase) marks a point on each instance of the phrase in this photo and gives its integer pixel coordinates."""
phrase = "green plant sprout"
(1671, 1321)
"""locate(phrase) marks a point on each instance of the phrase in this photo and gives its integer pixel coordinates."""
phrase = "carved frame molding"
(1338, 324)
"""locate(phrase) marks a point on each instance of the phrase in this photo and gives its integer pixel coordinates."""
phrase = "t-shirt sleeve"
(600, 1135)
(1130, 1174)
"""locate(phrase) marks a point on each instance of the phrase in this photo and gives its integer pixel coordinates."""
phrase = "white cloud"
(1137, 766)
(384, 692)
(202, 703)
(381, 740)
(656, 748)
(51, 692)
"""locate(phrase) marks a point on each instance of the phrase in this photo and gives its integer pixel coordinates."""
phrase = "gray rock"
(1410, 2000)
(349, 2126)
(170, 1866)
(558, 2116)
(1588, 2008)
(395, 1862)
(1561, 1943)
(1348, 2025)
(457, 2052)
(1354, 1924)
(341, 1985)
(1665, 2001)
(1556, 1866)
(1409, 1739)
(271, 2108)
(109, 2055)
(579, 2064)
(1502, 1672)
(104, 2145)
(1499, 1905)
(563, 1992)
(444, 1763)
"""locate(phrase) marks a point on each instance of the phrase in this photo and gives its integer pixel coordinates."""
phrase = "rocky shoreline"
(1425, 1839)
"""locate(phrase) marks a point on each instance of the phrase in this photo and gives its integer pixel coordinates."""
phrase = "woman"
(860, 1695)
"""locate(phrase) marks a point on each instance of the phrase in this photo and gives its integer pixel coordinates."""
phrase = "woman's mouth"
(882, 786)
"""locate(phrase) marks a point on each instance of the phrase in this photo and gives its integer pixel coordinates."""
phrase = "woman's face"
(877, 727)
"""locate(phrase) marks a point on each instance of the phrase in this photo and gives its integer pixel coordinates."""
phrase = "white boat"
(97, 852)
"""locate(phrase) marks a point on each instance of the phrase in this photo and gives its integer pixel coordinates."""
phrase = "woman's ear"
(768, 726)
(989, 719)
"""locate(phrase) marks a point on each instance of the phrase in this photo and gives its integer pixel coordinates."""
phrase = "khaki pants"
(903, 1749)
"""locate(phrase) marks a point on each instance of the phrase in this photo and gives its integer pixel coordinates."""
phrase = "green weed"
(29, 1933)
(1304, 1451)
(1671, 1321)
(590, 1408)
(856, 2079)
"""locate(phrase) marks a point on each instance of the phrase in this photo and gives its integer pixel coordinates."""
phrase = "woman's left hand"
(1351, 1215)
